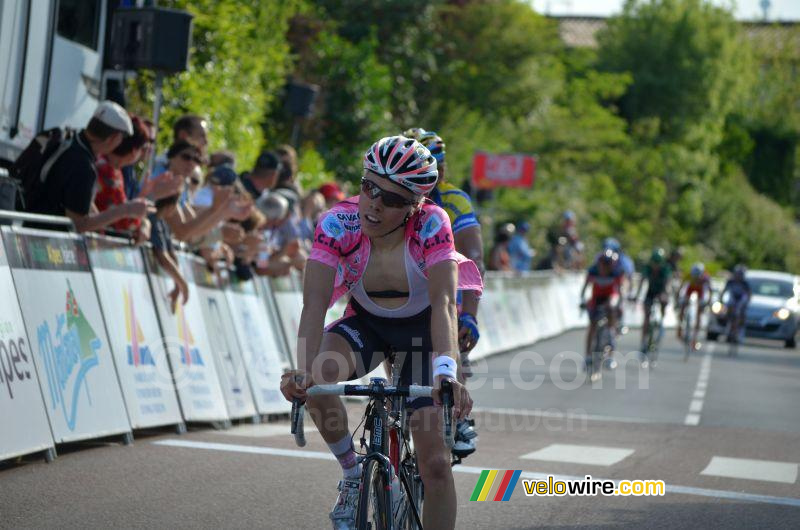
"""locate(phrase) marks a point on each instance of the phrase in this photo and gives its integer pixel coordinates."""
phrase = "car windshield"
(769, 287)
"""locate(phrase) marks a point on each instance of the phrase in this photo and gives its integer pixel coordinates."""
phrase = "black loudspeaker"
(154, 38)
(300, 98)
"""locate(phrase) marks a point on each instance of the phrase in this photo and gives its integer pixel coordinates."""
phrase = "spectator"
(264, 175)
(222, 158)
(164, 251)
(69, 186)
(573, 251)
(110, 180)
(332, 193)
(189, 128)
(499, 258)
(275, 209)
(313, 206)
(287, 176)
(519, 250)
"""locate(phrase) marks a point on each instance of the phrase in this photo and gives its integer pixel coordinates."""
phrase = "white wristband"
(444, 365)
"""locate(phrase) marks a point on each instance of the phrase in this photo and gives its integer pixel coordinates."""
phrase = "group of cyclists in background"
(611, 277)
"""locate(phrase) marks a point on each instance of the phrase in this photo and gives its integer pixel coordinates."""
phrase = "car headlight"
(782, 313)
(717, 308)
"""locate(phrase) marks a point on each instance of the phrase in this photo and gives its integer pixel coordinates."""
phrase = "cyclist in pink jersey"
(392, 251)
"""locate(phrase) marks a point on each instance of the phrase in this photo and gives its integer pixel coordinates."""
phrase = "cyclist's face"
(377, 218)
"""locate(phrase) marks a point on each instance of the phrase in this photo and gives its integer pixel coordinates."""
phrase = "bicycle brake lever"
(298, 418)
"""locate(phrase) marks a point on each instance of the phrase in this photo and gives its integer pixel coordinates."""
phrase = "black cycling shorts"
(374, 338)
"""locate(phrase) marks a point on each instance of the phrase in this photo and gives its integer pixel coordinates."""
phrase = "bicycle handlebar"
(373, 390)
(370, 390)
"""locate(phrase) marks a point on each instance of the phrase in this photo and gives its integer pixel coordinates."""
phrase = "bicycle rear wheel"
(374, 504)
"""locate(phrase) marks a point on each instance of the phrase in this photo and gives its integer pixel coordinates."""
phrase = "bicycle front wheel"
(374, 504)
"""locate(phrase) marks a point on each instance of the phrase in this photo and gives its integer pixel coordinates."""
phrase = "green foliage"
(686, 59)
(239, 59)
(648, 138)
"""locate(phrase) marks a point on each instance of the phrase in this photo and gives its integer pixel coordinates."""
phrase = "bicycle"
(655, 331)
(732, 329)
(602, 349)
(384, 504)
(688, 326)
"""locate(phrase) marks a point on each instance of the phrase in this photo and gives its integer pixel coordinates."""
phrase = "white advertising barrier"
(261, 345)
(224, 342)
(184, 336)
(267, 299)
(288, 294)
(25, 428)
(135, 338)
(71, 349)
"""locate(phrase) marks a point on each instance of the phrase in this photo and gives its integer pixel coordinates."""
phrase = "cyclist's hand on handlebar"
(582, 305)
(462, 402)
(294, 384)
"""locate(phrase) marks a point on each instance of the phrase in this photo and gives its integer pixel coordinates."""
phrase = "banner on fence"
(25, 427)
(134, 335)
(68, 337)
(261, 346)
(186, 342)
(224, 342)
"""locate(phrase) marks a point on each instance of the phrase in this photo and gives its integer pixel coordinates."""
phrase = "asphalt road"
(722, 433)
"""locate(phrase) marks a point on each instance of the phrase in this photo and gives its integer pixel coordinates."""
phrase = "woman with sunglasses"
(392, 251)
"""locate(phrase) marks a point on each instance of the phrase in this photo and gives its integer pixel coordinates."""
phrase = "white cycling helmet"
(404, 161)
(697, 270)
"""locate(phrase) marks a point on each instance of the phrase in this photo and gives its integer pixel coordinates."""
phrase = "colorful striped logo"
(496, 485)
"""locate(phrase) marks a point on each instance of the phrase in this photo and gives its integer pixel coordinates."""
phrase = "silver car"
(773, 311)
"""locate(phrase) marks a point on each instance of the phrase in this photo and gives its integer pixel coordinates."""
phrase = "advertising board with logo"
(68, 337)
(135, 337)
(22, 414)
(224, 343)
(189, 350)
(260, 347)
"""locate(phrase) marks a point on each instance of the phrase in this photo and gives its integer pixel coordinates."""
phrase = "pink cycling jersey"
(340, 243)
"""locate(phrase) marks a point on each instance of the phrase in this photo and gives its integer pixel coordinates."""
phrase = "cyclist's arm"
(317, 291)
(468, 242)
(442, 282)
(585, 285)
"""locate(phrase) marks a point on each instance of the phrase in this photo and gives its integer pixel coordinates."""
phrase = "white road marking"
(766, 470)
(296, 453)
(696, 405)
(692, 419)
(255, 431)
(570, 415)
(580, 454)
(256, 450)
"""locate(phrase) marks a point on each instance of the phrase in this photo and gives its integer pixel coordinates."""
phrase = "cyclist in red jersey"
(699, 283)
(605, 277)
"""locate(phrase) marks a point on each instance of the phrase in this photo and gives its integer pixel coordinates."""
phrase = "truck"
(51, 66)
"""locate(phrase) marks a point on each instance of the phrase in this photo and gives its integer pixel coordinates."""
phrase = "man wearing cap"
(264, 175)
(69, 187)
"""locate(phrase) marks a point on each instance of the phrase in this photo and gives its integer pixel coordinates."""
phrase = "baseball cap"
(331, 190)
(268, 160)
(223, 175)
(274, 206)
(114, 116)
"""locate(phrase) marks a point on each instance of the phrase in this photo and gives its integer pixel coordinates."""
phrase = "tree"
(688, 63)
(239, 60)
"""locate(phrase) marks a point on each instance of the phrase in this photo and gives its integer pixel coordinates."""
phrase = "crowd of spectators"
(258, 221)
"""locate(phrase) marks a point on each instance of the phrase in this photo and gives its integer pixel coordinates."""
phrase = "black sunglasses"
(389, 198)
(191, 158)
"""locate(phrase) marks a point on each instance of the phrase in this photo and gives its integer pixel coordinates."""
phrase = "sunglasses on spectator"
(191, 158)
(390, 199)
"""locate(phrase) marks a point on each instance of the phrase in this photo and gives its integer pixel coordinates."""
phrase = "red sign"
(498, 171)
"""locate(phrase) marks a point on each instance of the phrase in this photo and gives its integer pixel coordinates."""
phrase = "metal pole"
(159, 83)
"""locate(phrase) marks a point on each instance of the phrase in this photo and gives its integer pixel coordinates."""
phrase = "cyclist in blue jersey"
(468, 241)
